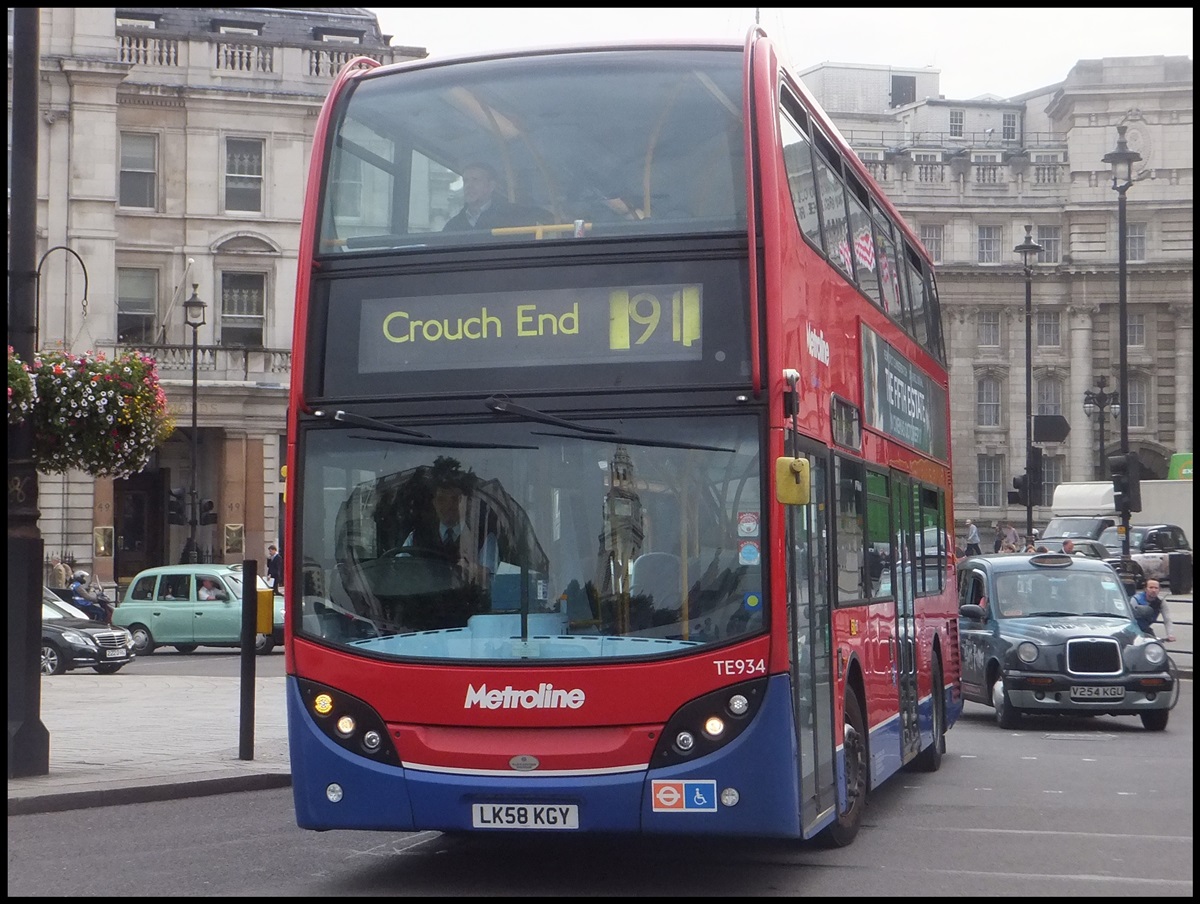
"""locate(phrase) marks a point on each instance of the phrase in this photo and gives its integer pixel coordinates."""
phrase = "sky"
(1001, 50)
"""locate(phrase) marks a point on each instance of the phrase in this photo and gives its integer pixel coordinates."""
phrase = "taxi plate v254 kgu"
(525, 816)
(1103, 692)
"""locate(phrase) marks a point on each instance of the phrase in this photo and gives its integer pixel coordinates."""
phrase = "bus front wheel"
(854, 750)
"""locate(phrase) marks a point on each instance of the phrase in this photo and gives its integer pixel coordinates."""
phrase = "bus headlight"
(708, 723)
(349, 722)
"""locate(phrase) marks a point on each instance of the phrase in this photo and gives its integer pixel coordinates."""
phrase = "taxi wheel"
(1155, 719)
(264, 644)
(1006, 716)
(186, 647)
(143, 640)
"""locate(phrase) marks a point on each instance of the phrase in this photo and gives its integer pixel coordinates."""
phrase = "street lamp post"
(1097, 401)
(1122, 160)
(1028, 250)
(193, 312)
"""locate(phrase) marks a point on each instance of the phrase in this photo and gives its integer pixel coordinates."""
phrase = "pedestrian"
(1150, 606)
(1011, 536)
(999, 538)
(60, 574)
(274, 568)
(973, 539)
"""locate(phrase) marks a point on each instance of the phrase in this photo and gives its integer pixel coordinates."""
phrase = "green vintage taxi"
(189, 606)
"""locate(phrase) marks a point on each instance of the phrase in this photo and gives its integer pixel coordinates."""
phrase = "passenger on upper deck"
(485, 208)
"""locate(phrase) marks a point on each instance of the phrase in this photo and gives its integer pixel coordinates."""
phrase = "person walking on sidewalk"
(274, 568)
(973, 538)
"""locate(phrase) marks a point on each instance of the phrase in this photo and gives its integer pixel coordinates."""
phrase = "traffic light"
(176, 506)
(1021, 496)
(1127, 483)
(207, 513)
(1035, 475)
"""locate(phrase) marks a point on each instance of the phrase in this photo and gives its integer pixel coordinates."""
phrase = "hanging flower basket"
(22, 391)
(104, 417)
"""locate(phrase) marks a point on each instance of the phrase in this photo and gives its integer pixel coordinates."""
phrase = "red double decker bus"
(619, 458)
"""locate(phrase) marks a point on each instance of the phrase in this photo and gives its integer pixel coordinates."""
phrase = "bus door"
(810, 625)
(907, 580)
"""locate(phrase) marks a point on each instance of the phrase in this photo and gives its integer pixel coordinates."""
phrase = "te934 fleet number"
(741, 666)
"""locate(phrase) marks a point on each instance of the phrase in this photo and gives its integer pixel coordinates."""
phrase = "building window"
(958, 119)
(989, 329)
(331, 38)
(904, 90)
(931, 238)
(1135, 330)
(1049, 397)
(1053, 468)
(1009, 126)
(1135, 242)
(1048, 334)
(987, 402)
(1050, 238)
(989, 244)
(137, 306)
(243, 174)
(1139, 396)
(243, 306)
(990, 469)
(139, 177)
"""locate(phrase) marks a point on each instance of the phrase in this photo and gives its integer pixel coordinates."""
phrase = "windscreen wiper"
(358, 420)
(501, 404)
(440, 443)
(403, 434)
(638, 441)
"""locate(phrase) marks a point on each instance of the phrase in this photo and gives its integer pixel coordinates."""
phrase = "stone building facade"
(969, 175)
(172, 151)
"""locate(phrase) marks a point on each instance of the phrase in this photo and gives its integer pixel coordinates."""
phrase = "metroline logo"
(818, 347)
(546, 696)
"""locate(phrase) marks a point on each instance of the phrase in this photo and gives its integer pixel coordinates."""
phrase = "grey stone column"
(1184, 368)
(1082, 452)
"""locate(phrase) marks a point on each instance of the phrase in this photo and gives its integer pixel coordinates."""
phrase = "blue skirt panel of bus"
(761, 764)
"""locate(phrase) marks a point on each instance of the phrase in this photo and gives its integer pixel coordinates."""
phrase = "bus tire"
(845, 827)
(930, 759)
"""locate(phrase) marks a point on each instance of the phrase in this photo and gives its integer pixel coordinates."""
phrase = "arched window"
(987, 402)
(1049, 396)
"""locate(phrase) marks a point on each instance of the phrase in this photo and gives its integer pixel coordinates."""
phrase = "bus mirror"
(791, 481)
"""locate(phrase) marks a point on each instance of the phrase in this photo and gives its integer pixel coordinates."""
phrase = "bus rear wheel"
(930, 759)
(843, 830)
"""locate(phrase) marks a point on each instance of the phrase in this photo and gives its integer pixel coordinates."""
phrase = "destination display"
(602, 325)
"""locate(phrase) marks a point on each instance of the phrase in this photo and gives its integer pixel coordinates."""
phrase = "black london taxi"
(1055, 634)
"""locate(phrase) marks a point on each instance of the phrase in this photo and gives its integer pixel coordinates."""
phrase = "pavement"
(133, 738)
